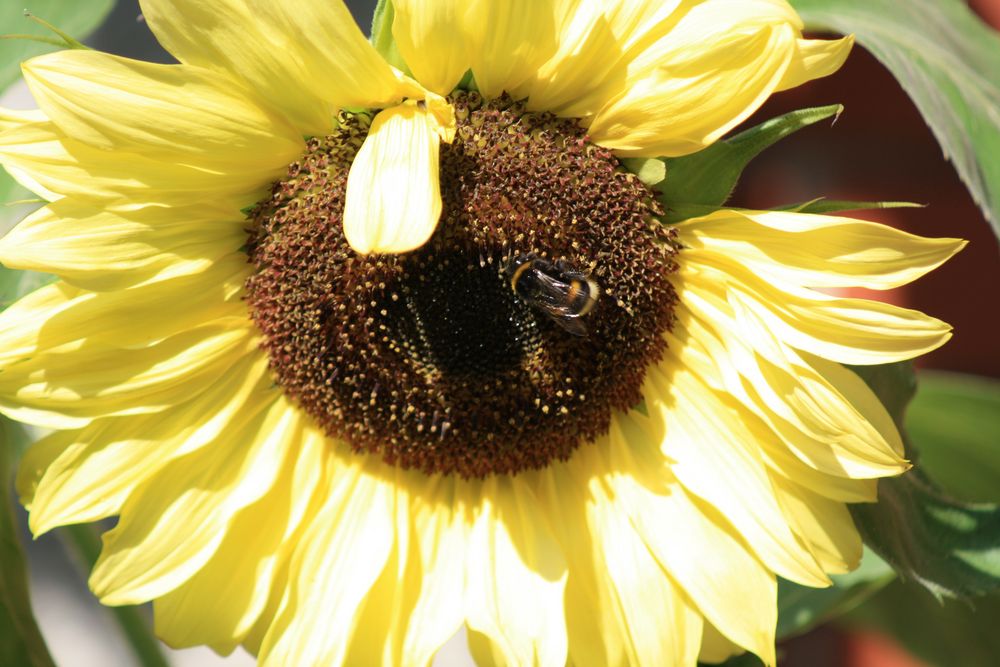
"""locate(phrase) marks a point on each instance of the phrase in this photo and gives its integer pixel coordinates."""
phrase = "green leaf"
(956, 421)
(940, 633)
(73, 17)
(948, 61)
(801, 608)
(381, 35)
(950, 547)
(823, 205)
(709, 176)
(21, 642)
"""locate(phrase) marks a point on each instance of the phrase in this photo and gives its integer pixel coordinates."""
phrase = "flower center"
(504, 342)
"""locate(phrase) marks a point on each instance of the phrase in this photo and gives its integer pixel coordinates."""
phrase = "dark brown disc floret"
(431, 359)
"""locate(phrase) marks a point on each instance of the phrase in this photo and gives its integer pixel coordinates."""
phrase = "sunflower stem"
(86, 544)
(21, 642)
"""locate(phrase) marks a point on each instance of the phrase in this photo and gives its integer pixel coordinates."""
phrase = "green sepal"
(468, 82)
(950, 547)
(651, 171)
(679, 212)
(62, 40)
(381, 36)
(79, 17)
(823, 205)
(709, 176)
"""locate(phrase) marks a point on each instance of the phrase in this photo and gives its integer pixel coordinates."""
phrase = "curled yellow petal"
(676, 106)
(816, 58)
(393, 193)
(672, 59)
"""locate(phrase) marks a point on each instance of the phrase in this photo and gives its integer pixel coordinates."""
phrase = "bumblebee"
(563, 293)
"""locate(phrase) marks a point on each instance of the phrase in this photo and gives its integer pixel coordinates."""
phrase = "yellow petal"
(99, 466)
(509, 40)
(174, 522)
(175, 112)
(662, 628)
(91, 247)
(516, 578)
(728, 585)
(816, 58)
(393, 193)
(10, 118)
(337, 560)
(789, 453)
(306, 58)
(53, 164)
(825, 526)
(36, 461)
(818, 250)
(59, 317)
(416, 604)
(718, 461)
(672, 106)
(108, 381)
(428, 37)
(810, 416)
(440, 532)
(219, 605)
(594, 625)
(585, 54)
(598, 44)
(846, 330)
(659, 95)
(316, 450)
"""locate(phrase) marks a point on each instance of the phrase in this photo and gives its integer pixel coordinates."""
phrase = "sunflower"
(359, 353)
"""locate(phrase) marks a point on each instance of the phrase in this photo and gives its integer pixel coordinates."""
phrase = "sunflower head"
(398, 354)
(362, 350)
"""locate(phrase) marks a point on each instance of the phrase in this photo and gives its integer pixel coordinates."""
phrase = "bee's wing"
(551, 292)
(571, 323)
(552, 298)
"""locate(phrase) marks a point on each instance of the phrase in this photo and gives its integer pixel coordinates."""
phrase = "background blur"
(879, 149)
